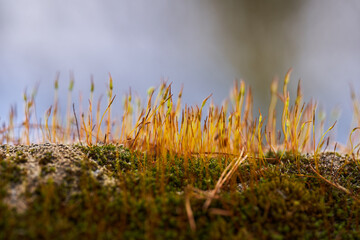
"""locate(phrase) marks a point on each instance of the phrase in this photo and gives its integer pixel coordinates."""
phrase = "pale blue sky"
(204, 45)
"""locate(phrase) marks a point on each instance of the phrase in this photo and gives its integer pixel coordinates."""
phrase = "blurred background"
(204, 45)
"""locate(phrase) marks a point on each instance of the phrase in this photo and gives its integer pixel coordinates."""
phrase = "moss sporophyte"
(168, 171)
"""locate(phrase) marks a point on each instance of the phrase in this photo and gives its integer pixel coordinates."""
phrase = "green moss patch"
(281, 199)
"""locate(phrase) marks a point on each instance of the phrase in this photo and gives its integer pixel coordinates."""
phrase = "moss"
(2, 156)
(20, 157)
(113, 157)
(117, 193)
(10, 172)
(148, 201)
(45, 170)
(46, 158)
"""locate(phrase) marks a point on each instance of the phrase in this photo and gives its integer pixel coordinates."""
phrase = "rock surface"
(38, 163)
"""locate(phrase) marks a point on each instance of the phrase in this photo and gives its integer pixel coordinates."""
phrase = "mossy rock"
(148, 197)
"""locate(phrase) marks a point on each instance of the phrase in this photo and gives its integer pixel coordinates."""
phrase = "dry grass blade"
(218, 211)
(225, 176)
(189, 211)
(335, 185)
